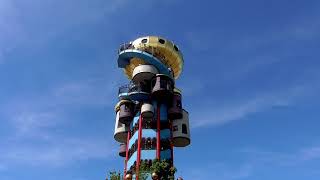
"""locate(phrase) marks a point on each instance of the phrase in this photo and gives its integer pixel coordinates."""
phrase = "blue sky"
(250, 83)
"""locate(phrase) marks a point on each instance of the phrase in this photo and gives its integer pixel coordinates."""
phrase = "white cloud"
(251, 161)
(220, 170)
(96, 91)
(34, 125)
(240, 109)
(36, 120)
(291, 158)
(32, 25)
(61, 97)
(58, 152)
(233, 111)
(11, 30)
(310, 153)
(42, 138)
(36, 114)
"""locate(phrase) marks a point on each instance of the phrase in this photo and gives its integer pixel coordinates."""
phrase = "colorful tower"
(150, 120)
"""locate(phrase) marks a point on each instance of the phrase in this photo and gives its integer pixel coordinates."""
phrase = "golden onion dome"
(166, 51)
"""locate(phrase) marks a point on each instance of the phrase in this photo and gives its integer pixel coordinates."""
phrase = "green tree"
(113, 175)
(144, 171)
(163, 169)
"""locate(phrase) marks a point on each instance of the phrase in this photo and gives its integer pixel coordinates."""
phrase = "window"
(143, 87)
(144, 40)
(153, 143)
(162, 41)
(144, 143)
(165, 144)
(179, 104)
(175, 48)
(169, 85)
(135, 145)
(136, 127)
(149, 143)
(126, 107)
(175, 128)
(148, 125)
(119, 124)
(153, 82)
(164, 125)
(163, 83)
(184, 129)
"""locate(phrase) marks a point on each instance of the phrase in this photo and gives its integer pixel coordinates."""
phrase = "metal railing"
(148, 49)
(124, 89)
(132, 87)
(125, 46)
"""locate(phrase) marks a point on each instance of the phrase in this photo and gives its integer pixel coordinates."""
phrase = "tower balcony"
(154, 50)
(162, 87)
(181, 131)
(126, 111)
(143, 73)
(175, 110)
(139, 92)
(122, 150)
(125, 46)
(120, 129)
(135, 91)
(147, 111)
(123, 92)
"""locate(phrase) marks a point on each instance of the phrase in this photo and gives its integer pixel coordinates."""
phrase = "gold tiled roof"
(166, 51)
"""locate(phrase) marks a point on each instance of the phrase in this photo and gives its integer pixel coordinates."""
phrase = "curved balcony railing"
(150, 50)
(162, 62)
(131, 88)
(138, 88)
(123, 92)
(125, 46)
(124, 89)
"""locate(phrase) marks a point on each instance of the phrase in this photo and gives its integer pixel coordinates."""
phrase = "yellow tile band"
(166, 51)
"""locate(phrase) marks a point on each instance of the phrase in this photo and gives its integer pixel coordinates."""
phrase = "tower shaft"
(150, 120)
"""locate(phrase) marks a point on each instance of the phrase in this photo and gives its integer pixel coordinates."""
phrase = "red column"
(171, 143)
(158, 132)
(139, 147)
(127, 154)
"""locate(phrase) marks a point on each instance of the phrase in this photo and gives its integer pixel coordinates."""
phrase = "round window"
(162, 41)
(175, 48)
(144, 40)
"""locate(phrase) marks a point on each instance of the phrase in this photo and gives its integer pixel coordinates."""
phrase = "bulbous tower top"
(165, 51)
